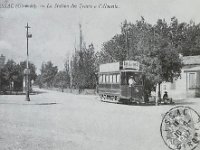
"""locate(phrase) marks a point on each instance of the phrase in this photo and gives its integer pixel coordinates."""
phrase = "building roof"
(191, 60)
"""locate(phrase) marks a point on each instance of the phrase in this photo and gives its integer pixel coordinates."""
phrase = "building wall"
(177, 89)
(181, 88)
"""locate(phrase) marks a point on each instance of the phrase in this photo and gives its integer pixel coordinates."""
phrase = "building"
(188, 84)
(2, 60)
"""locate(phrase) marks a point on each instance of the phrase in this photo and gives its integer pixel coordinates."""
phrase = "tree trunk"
(10, 87)
(159, 94)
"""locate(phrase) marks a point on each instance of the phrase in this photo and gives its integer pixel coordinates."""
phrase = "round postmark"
(180, 128)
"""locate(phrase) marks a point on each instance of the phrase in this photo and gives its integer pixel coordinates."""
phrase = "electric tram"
(121, 82)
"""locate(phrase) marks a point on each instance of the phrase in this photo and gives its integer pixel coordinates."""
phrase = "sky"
(55, 31)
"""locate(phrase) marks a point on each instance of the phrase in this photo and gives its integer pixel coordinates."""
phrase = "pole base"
(27, 99)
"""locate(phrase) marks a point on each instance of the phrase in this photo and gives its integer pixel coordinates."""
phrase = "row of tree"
(80, 71)
(83, 68)
(157, 47)
(51, 77)
(12, 74)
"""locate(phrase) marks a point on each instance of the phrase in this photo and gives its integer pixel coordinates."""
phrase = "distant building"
(2, 60)
(188, 84)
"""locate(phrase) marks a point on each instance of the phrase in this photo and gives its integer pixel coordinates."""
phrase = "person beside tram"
(166, 99)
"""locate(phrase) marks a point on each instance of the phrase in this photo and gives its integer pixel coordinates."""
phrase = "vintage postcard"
(99, 75)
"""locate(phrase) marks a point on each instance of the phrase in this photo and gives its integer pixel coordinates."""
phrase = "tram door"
(132, 87)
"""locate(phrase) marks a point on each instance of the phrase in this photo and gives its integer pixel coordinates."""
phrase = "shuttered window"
(192, 80)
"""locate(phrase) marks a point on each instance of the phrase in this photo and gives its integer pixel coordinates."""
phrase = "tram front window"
(131, 78)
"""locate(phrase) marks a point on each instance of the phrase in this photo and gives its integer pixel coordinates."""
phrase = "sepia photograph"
(99, 75)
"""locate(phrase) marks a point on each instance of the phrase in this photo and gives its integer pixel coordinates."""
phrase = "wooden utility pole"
(27, 70)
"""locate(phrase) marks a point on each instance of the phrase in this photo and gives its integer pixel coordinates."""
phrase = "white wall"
(179, 92)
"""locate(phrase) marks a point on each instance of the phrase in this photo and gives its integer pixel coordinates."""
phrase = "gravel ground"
(62, 121)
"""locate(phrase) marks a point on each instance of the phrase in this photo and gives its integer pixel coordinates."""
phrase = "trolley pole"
(27, 70)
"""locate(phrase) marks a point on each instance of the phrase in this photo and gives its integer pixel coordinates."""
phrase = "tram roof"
(130, 70)
(122, 70)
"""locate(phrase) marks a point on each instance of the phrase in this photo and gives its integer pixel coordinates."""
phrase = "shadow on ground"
(29, 103)
(38, 92)
(185, 103)
(42, 104)
(22, 93)
(160, 104)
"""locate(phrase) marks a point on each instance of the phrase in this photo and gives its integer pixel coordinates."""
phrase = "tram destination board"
(131, 65)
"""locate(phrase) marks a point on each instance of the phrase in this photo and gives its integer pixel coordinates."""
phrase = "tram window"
(104, 78)
(100, 78)
(123, 78)
(118, 78)
(136, 77)
(107, 78)
(111, 78)
(114, 78)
